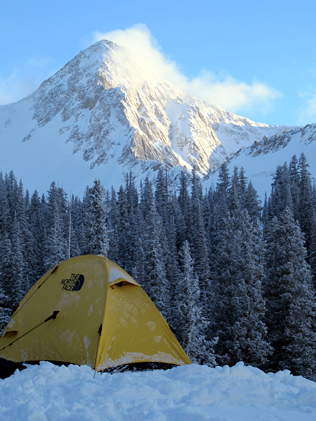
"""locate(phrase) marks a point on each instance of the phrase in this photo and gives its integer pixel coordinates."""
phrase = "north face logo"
(74, 283)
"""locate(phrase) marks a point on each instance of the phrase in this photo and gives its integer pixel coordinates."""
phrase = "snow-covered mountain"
(103, 114)
(262, 157)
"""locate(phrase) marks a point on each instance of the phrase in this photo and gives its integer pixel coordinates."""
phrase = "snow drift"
(188, 393)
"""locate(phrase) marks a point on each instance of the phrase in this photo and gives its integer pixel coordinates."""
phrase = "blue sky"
(256, 59)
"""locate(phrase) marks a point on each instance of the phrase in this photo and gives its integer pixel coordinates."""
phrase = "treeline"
(235, 279)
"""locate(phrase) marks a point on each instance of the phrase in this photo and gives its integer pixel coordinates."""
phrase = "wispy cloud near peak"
(222, 90)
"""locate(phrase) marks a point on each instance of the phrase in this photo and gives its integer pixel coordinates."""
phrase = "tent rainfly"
(88, 310)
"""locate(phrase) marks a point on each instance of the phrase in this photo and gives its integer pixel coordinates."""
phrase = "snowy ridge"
(306, 135)
(192, 392)
(103, 114)
(262, 157)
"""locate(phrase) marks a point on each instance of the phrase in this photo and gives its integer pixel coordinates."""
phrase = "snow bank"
(187, 393)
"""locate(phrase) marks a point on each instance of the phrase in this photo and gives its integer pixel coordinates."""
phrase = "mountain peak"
(105, 112)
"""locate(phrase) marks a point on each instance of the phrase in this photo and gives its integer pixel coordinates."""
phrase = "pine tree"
(133, 231)
(97, 240)
(123, 251)
(5, 312)
(223, 315)
(238, 309)
(243, 183)
(281, 191)
(76, 226)
(305, 214)
(221, 198)
(192, 324)
(26, 239)
(56, 243)
(139, 267)
(4, 209)
(156, 284)
(36, 224)
(11, 271)
(312, 249)
(112, 223)
(184, 205)
(212, 226)
(18, 280)
(5, 283)
(249, 331)
(223, 182)
(251, 202)
(197, 240)
(265, 215)
(290, 299)
(294, 184)
(162, 194)
(233, 192)
(11, 187)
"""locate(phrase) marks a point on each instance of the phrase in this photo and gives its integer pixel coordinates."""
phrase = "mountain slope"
(103, 114)
(261, 158)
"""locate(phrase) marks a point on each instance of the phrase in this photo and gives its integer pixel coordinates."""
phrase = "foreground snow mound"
(48, 392)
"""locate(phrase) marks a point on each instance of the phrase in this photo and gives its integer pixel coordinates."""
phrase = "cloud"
(221, 90)
(139, 41)
(231, 94)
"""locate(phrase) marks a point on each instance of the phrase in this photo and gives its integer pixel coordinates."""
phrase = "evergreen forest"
(235, 278)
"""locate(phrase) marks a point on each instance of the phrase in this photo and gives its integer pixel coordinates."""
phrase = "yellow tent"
(87, 310)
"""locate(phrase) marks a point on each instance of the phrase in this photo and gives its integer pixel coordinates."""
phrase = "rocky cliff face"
(104, 108)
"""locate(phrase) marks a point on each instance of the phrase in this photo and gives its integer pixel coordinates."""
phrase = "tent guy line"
(53, 316)
(39, 286)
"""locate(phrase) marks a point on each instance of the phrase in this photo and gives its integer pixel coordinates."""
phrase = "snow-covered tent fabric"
(88, 310)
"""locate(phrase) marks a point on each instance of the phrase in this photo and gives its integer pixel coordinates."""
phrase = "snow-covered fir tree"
(146, 231)
(156, 283)
(249, 332)
(305, 211)
(197, 239)
(291, 312)
(96, 233)
(239, 307)
(192, 325)
(56, 234)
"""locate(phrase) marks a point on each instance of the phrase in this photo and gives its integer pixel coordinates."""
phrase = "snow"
(116, 273)
(129, 357)
(260, 168)
(187, 393)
